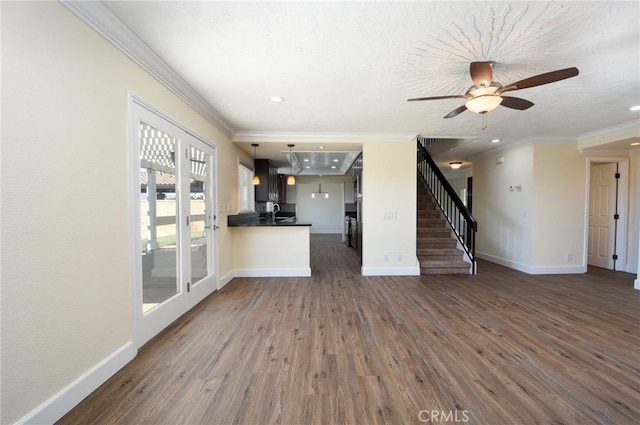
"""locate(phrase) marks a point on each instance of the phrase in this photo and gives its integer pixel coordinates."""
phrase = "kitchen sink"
(285, 219)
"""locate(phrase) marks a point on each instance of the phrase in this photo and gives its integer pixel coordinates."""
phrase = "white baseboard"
(226, 279)
(301, 272)
(636, 284)
(391, 271)
(67, 398)
(525, 268)
(558, 269)
(504, 262)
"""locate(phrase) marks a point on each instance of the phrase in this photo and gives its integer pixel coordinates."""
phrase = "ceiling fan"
(485, 95)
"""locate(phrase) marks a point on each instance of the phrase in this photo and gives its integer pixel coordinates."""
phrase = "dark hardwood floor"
(498, 348)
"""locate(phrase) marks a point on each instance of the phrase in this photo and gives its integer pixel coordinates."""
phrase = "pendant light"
(291, 180)
(256, 179)
(320, 192)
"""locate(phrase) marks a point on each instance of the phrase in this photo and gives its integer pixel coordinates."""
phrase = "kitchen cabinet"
(357, 177)
(282, 189)
(267, 190)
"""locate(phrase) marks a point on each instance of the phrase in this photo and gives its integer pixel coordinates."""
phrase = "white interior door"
(174, 221)
(602, 206)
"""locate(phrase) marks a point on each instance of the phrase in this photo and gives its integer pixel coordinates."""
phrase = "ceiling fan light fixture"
(475, 91)
(483, 103)
(455, 164)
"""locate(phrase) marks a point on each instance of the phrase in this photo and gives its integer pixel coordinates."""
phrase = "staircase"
(445, 227)
(436, 245)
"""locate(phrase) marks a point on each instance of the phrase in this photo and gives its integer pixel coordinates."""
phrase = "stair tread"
(438, 251)
(456, 261)
(436, 245)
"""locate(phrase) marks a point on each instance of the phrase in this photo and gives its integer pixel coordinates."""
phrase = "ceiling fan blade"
(481, 73)
(516, 103)
(456, 112)
(538, 80)
(436, 98)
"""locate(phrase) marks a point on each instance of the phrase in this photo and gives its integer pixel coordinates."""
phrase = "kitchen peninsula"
(267, 246)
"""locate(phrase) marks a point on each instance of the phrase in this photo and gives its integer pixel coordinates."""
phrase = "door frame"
(133, 182)
(623, 209)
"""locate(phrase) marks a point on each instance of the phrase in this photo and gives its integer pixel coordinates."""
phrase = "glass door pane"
(158, 212)
(199, 214)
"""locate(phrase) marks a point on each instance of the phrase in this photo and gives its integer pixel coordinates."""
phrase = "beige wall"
(555, 201)
(559, 195)
(504, 218)
(66, 289)
(389, 185)
(271, 251)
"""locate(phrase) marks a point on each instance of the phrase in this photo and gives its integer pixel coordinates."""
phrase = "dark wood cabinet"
(356, 170)
(267, 190)
(282, 189)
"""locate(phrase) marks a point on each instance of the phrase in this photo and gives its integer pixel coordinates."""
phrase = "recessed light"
(277, 99)
(307, 167)
(320, 147)
(333, 166)
(495, 140)
(635, 108)
(306, 160)
(635, 144)
(336, 160)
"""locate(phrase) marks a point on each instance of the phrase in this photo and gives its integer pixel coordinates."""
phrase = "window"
(246, 191)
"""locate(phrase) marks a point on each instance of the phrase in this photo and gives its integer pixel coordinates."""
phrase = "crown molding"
(529, 140)
(614, 133)
(320, 137)
(104, 22)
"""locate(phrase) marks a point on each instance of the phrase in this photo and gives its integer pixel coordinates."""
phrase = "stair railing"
(457, 214)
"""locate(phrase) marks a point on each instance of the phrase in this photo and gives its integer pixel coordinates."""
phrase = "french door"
(175, 221)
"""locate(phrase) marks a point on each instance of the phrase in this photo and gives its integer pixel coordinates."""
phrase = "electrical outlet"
(390, 215)
(386, 258)
(569, 257)
(399, 257)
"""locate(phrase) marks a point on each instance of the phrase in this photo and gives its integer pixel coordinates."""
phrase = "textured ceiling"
(348, 67)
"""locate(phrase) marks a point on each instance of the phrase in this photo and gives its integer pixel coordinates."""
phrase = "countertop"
(263, 220)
